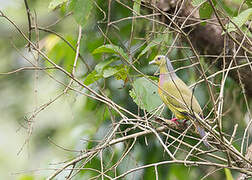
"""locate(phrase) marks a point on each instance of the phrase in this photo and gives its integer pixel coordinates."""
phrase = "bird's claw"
(175, 121)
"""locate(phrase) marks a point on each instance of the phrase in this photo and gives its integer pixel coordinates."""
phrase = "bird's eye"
(158, 58)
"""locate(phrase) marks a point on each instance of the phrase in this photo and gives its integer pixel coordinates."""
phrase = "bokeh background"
(73, 119)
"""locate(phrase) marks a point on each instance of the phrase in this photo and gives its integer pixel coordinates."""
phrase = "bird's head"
(159, 60)
(164, 63)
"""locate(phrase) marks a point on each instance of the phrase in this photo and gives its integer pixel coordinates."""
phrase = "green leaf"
(119, 71)
(136, 7)
(82, 10)
(245, 29)
(240, 20)
(108, 48)
(197, 2)
(26, 177)
(223, 5)
(179, 172)
(92, 77)
(122, 73)
(54, 4)
(109, 71)
(152, 44)
(99, 67)
(145, 94)
(103, 70)
(205, 10)
(228, 174)
(60, 52)
(249, 3)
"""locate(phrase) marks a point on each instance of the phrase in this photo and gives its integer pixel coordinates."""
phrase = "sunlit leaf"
(60, 52)
(152, 44)
(99, 67)
(49, 42)
(109, 71)
(145, 94)
(228, 174)
(92, 77)
(197, 2)
(240, 20)
(122, 73)
(108, 48)
(26, 177)
(104, 70)
(245, 29)
(225, 6)
(82, 10)
(136, 7)
(119, 71)
(249, 3)
(54, 4)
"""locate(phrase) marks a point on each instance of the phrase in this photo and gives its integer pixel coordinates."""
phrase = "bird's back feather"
(179, 98)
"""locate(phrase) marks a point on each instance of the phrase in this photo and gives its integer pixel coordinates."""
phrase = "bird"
(177, 96)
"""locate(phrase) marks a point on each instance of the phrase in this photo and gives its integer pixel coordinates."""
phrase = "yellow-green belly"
(176, 110)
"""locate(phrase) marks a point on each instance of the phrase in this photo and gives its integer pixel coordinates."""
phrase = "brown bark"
(208, 39)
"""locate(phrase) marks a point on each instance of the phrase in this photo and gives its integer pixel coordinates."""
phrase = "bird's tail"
(200, 129)
(202, 134)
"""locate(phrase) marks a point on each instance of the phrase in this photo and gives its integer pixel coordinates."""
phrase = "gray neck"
(166, 69)
(167, 72)
(169, 66)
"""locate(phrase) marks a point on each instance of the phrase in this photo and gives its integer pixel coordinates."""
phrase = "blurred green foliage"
(74, 119)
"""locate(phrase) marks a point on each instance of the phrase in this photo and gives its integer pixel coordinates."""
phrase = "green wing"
(177, 94)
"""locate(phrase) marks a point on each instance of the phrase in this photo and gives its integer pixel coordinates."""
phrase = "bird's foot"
(182, 123)
(179, 123)
(175, 121)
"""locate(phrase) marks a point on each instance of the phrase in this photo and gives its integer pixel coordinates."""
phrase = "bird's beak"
(152, 62)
